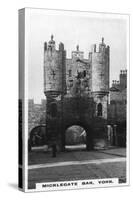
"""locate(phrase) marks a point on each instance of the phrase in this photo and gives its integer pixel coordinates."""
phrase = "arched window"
(99, 109)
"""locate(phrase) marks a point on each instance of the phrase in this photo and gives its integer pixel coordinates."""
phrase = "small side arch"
(38, 136)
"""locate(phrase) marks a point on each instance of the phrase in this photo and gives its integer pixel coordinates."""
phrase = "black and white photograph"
(73, 104)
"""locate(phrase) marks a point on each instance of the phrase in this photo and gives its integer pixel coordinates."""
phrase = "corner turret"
(54, 68)
(99, 60)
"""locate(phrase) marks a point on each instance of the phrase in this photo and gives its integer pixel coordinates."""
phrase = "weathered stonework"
(77, 92)
(54, 70)
(74, 89)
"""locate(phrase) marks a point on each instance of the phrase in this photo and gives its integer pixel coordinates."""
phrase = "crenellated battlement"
(60, 72)
(101, 48)
(77, 53)
(51, 46)
(99, 59)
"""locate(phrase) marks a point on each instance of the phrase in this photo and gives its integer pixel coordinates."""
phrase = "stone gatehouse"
(77, 93)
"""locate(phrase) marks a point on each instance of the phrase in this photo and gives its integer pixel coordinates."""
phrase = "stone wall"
(36, 114)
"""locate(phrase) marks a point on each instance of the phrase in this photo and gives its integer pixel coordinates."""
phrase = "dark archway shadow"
(89, 134)
(75, 138)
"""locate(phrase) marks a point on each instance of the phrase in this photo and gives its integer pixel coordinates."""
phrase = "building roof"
(114, 89)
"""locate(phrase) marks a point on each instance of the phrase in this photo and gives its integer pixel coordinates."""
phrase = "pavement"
(40, 157)
(76, 165)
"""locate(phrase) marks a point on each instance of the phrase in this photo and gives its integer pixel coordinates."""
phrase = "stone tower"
(54, 68)
(99, 59)
(54, 85)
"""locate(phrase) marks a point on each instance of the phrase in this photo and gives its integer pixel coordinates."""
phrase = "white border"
(27, 32)
(30, 11)
(128, 101)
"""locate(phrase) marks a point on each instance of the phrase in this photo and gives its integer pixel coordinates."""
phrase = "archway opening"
(75, 138)
(38, 136)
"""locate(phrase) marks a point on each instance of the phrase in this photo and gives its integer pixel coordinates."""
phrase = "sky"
(72, 28)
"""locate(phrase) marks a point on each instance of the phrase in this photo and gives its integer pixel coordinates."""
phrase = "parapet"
(77, 53)
(51, 45)
(102, 48)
